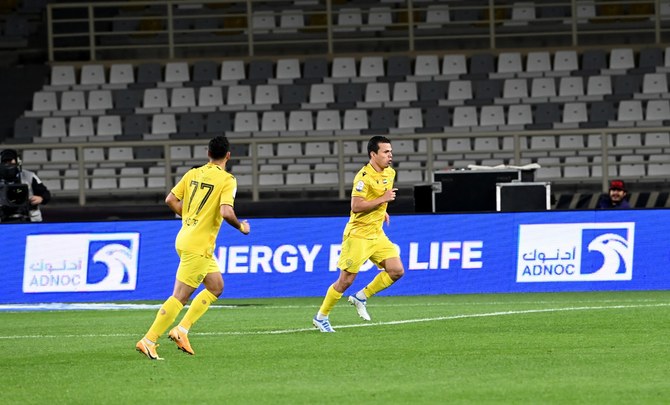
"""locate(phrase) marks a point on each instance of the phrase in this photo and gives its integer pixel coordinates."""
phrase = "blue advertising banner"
(297, 257)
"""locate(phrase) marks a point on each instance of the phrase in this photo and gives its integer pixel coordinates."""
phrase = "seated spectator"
(616, 197)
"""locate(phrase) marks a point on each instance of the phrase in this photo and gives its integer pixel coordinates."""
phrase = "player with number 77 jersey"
(204, 198)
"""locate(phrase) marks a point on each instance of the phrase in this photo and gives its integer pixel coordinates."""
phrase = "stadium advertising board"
(293, 257)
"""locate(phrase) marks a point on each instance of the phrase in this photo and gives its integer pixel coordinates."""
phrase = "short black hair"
(373, 143)
(218, 147)
(8, 155)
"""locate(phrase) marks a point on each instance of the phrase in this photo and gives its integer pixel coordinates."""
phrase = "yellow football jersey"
(369, 184)
(203, 190)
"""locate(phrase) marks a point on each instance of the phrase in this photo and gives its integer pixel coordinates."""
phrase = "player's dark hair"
(373, 144)
(218, 147)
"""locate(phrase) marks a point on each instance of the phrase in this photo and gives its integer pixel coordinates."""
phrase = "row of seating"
(345, 95)
(326, 122)
(622, 146)
(381, 16)
(274, 173)
(537, 63)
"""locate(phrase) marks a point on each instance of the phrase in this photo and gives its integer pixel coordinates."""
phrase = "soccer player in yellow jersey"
(364, 237)
(203, 198)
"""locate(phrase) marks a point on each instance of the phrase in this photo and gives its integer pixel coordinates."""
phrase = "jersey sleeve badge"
(360, 185)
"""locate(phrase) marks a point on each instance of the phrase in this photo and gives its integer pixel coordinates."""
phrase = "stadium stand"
(468, 101)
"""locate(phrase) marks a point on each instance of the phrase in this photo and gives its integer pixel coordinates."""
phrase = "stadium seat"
(343, 68)
(458, 91)
(377, 93)
(218, 122)
(80, 126)
(149, 73)
(99, 101)
(454, 65)
(121, 74)
(191, 124)
(181, 100)
(290, 21)
(621, 59)
(261, 70)
(398, 66)
(92, 76)
(209, 98)
(205, 71)
(108, 125)
(273, 121)
(315, 68)
(293, 95)
(26, 128)
(437, 15)
(62, 158)
(288, 69)
(565, 62)
(53, 127)
(538, 64)
(239, 95)
(177, 72)
(71, 103)
(132, 178)
(263, 22)
(246, 122)
(491, 116)
(570, 88)
(135, 125)
(103, 179)
(348, 20)
(576, 167)
(409, 118)
(300, 121)
(44, 102)
(232, 71)
(266, 94)
(465, 116)
(509, 65)
(298, 175)
(372, 66)
(355, 120)
(426, 65)
(599, 85)
(543, 87)
(163, 124)
(62, 77)
(321, 94)
(154, 100)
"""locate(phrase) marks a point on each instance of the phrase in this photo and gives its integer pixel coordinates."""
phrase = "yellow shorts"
(194, 267)
(355, 251)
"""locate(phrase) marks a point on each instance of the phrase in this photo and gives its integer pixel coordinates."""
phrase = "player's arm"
(360, 204)
(228, 214)
(174, 203)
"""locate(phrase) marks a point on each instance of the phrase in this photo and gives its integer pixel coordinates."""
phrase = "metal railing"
(431, 160)
(99, 31)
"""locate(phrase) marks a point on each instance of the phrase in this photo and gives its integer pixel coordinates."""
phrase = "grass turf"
(580, 348)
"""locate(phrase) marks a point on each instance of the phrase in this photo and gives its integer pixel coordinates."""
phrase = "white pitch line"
(362, 325)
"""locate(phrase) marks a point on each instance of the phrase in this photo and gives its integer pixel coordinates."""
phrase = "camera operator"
(20, 208)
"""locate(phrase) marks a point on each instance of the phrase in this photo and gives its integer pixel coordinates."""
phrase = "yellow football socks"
(329, 301)
(198, 307)
(164, 318)
(380, 282)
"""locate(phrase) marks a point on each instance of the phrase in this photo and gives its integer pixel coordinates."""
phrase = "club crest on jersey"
(360, 185)
(385, 181)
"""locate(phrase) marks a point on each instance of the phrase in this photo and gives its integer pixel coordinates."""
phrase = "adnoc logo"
(81, 262)
(576, 252)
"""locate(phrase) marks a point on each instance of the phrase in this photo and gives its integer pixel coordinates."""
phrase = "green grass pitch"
(577, 348)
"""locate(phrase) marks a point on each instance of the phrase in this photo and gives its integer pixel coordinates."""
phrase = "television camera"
(14, 195)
